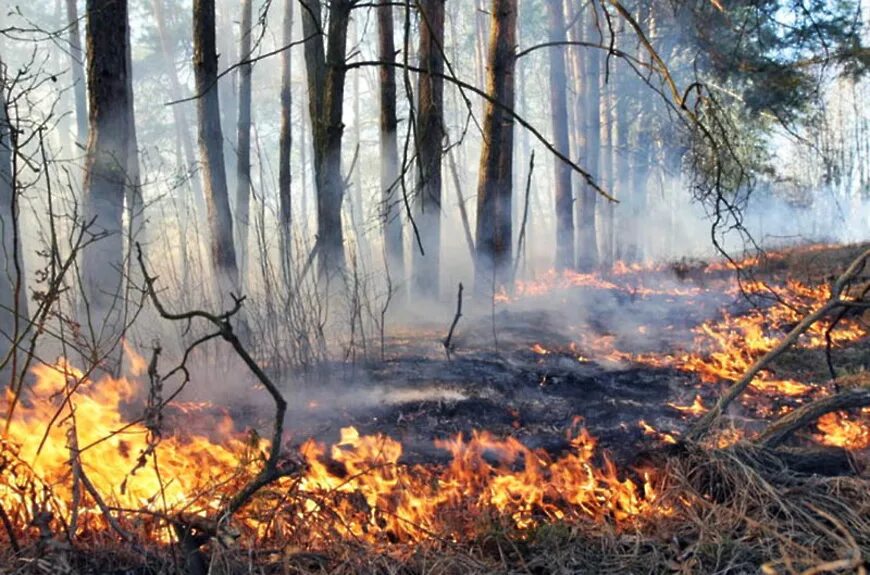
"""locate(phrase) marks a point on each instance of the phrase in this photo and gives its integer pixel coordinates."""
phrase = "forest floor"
(617, 353)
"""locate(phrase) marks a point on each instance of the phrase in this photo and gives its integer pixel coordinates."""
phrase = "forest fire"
(69, 456)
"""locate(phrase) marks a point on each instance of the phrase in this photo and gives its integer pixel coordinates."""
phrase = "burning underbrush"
(552, 444)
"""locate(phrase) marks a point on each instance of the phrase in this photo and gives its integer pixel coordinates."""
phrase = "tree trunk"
(106, 168)
(78, 72)
(494, 191)
(210, 139)
(587, 256)
(430, 136)
(243, 139)
(606, 177)
(228, 87)
(559, 118)
(326, 79)
(285, 141)
(13, 299)
(392, 203)
(622, 166)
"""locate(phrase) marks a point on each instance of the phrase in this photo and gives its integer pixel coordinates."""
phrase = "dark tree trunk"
(587, 255)
(326, 79)
(285, 142)
(430, 136)
(559, 117)
(211, 153)
(495, 180)
(243, 140)
(106, 168)
(392, 203)
(76, 60)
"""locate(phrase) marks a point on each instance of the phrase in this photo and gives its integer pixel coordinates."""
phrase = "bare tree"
(495, 180)
(106, 170)
(391, 213)
(430, 135)
(285, 142)
(559, 117)
(326, 78)
(210, 136)
(76, 60)
(243, 140)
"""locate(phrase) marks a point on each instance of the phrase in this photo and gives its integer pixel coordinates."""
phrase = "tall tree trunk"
(210, 139)
(106, 168)
(606, 173)
(430, 137)
(243, 140)
(228, 93)
(326, 79)
(494, 190)
(76, 60)
(559, 118)
(13, 300)
(285, 141)
(357, 206)
(587, 256)
(179, 111)
(622, 166)
(391, 202)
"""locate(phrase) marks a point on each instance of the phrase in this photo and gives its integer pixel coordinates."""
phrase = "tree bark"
(326, 79)
(243, 142)
(430, 137)
(495, 180)
(559, 118)
(391, 202)
(210, 140)
(76, 60)
(106, 168)
(285, 142)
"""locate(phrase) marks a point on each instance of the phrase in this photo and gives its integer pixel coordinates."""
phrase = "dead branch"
(456, 317)
(702, 426)
(272, 468)
(778, 431)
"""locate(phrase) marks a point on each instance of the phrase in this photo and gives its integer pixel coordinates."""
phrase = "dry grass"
(736, 510)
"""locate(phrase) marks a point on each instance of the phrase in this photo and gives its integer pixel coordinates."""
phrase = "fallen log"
(850, 398)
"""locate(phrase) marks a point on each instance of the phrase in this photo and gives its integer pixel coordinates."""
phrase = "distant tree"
(285, 142)
(12, 287)
(210, 136)
(495, 180)
(243, 142)
(430, 137)
(390, 206)
(559, 119)
(76, 59)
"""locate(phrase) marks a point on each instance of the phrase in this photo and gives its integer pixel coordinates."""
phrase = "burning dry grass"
(76, 479)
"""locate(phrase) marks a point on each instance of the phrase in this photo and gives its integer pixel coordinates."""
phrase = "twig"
(522, 238)
(456, 317)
